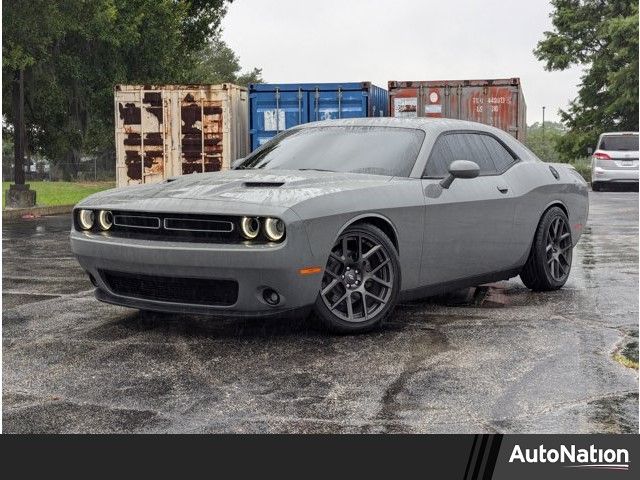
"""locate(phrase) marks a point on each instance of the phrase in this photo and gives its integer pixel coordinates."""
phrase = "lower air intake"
(197, 291)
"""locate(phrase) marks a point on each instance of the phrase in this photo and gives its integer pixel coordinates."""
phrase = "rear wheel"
(360, 282)
(549, 262)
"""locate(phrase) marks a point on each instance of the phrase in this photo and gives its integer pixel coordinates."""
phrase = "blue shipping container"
(275, 107)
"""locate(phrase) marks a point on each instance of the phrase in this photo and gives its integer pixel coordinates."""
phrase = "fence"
(95, 168)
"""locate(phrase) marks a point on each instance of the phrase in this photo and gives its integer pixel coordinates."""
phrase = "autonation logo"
(592, 457)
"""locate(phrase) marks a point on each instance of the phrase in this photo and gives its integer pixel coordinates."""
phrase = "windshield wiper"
(316, 169)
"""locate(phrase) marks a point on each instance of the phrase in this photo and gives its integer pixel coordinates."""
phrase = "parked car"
(615, 159)
(345, 217)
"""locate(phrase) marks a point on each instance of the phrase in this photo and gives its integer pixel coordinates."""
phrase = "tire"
(596, 186)
(549, 262)
(369, 270)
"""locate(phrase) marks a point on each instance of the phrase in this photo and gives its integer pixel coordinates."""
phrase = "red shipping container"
(499, 102)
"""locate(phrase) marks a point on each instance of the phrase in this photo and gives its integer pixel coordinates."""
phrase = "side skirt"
(441, 288)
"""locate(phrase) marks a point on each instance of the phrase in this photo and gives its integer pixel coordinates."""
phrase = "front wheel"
(360, 282)
(549, 261)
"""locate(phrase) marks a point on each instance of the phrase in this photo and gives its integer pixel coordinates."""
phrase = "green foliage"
(602, 36)
(547, 147)
(73, 52)
(583, 166)
(544, 143)
(28, 37)
(218, 63)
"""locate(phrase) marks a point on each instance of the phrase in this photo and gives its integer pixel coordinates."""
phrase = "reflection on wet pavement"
(494, 358)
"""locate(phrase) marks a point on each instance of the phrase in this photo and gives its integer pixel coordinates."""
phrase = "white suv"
(615, 159)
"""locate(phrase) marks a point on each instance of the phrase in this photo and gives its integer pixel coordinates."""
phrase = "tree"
(545, 143)
(26, 41)
(218, 63)
(602, 35)
(73, 52)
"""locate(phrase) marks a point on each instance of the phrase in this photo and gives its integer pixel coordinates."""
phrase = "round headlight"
(105, 219)
(274, 229)
(86, 219)
(250, 227)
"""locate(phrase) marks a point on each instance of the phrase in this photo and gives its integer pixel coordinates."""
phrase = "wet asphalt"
(492, 359)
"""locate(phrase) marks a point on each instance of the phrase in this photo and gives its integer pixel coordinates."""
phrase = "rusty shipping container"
(493, 102)
(167, 130)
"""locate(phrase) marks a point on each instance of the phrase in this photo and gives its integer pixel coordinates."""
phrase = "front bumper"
(254, 267)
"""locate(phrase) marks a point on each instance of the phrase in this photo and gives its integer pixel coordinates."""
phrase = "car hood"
(270, 188)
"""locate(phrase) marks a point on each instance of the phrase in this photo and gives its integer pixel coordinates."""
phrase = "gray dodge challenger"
(342, 217)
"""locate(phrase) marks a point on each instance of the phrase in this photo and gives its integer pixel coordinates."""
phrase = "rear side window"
(625, 143)
(490, 155)
(501, 157)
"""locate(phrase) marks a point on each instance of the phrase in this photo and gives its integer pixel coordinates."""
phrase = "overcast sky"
(381, 40)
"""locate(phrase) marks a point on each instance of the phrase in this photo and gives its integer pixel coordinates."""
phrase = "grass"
(627, 352)
(61, 193)
(627, 362)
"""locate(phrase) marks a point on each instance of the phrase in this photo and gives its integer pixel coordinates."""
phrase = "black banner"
(467, 457)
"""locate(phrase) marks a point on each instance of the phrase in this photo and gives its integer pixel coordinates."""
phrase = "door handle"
(503, 189)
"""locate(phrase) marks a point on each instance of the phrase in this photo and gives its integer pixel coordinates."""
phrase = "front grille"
(197, 291)
(136, 221)
(175, 227)
(198, 225)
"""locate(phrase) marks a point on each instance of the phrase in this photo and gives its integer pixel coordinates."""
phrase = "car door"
(468, 227)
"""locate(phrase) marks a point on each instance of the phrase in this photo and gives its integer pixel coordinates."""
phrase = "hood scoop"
(262, 184)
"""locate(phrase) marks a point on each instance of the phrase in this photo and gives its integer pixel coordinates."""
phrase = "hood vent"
(263, 184)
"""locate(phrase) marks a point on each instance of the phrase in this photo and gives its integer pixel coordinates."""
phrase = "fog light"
(271, 296)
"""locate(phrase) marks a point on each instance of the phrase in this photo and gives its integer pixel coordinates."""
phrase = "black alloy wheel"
(549, 262)
(360, 282)
(558, 249)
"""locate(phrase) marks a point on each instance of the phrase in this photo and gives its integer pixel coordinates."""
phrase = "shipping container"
(499, 103)
(168, 130)
(276, 107)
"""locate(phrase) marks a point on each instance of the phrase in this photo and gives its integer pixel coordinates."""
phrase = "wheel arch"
(377, 220)
(550, 205)
(555, 203)
(534, 274)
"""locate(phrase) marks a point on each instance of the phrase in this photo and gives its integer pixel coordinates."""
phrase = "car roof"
(430, 125)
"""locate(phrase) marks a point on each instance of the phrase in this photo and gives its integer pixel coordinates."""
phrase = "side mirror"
(589, 150)
(460, 169)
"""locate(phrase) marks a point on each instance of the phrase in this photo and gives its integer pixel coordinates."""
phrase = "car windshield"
(626, 143)
(356, 149)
